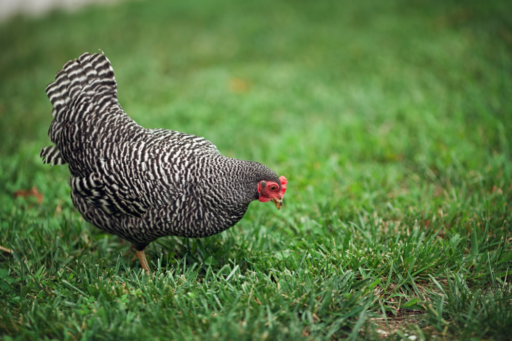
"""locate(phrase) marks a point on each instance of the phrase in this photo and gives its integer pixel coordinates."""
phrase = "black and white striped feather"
(138, 183)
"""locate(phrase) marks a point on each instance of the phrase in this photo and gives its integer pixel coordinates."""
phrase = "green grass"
(391, 120)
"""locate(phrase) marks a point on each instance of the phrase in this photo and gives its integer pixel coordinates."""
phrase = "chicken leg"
(143, 261)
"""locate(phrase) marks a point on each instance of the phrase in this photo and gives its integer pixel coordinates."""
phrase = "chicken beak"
(278, 203)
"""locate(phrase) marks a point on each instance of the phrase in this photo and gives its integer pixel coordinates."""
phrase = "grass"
(391, 121)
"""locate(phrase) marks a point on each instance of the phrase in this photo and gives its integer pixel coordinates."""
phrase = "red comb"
(283, 185)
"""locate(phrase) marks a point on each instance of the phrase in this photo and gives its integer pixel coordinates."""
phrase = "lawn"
(392, 121)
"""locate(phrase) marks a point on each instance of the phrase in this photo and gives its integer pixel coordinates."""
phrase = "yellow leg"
(143, 261)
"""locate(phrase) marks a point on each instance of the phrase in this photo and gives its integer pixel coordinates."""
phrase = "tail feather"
(52, 156)
(84, 86)
(79, 76)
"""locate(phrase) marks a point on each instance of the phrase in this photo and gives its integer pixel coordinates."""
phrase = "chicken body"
(138, 183)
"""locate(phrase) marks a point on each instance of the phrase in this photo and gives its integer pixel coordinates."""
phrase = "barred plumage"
(138, 183)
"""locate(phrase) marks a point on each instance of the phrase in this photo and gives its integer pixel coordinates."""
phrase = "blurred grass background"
(393, 114)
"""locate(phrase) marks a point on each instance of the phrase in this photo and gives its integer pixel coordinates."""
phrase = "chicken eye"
(272, 188)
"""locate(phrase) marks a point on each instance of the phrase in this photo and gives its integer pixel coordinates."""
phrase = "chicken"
(142, 184)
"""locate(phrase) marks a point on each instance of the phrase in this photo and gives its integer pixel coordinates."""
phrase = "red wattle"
(263, 199)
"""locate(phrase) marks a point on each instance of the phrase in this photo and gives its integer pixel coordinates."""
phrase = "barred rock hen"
(142, 184)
